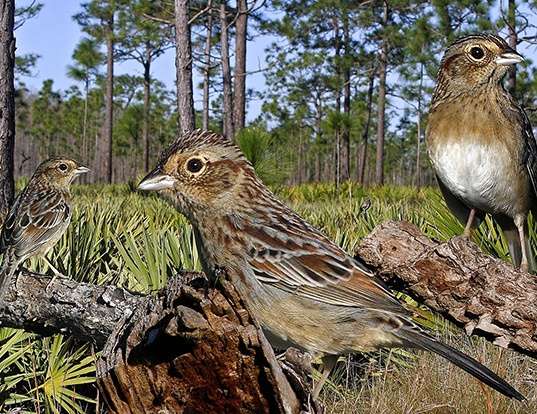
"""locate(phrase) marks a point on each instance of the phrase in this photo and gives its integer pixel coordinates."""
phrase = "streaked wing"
(530, 150)
(306, 263)
(35, 220)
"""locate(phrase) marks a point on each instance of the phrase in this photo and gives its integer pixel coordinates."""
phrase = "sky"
(53, 34)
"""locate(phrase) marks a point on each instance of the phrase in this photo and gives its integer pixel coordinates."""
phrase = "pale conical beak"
(156, 180)
(509, 58)
(82, 170)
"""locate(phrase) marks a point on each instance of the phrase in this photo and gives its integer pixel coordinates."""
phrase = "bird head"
(476, 60)
(59, 171)
(200, 171)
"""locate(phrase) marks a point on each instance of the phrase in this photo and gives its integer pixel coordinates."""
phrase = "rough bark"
(229, 131)
(192, 350)
(381, 103)
(207, 69)
(183, 63)
(485, 295)
(105, 148)
(239, 80)
(7, 105)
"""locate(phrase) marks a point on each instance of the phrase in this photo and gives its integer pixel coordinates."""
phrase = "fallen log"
(484, 295)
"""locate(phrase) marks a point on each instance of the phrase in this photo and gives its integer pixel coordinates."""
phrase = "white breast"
(476, 174)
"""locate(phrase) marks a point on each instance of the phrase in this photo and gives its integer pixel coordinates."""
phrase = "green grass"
(137, 241)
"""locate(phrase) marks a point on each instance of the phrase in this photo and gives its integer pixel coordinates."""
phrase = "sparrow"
(481, 143)
(38, 217)
(303, 289)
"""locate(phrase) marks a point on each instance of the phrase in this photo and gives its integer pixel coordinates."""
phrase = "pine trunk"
(381, 106)
(239, 87)
(207, 71)
(512, 39)
(147, 104)
(183, 63)
(346, 133)
(106, 147)
(362, 156)
(7, 105)
(226, 74)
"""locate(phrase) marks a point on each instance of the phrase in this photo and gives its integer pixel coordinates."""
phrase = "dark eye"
(194, 165)
(477, 53)
(62, 167)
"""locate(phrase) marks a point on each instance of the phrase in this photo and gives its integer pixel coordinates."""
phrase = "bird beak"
(156, 180)
(82, 170)
(509, 58)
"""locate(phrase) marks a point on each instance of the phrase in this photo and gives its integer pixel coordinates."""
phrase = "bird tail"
(416, 339)
(515, 248)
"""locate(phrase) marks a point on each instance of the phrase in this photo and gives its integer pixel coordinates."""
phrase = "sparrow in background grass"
(303, 289)
(481, 143)
(39, 216)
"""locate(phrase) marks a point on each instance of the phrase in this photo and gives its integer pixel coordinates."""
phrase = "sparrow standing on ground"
(39, 216)
(481, 143)
(303, 289)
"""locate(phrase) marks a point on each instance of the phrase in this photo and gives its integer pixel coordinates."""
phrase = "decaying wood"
(192, 350)
(485, 295)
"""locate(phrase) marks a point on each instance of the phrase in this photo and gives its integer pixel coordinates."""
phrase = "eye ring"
(477, 52)
(62, 167)
(194, 165)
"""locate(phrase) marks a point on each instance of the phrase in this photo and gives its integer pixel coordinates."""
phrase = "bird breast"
(481, 174)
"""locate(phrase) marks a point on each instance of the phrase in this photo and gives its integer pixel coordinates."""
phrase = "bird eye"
(194, 165)
(477, 52)
(62, 167)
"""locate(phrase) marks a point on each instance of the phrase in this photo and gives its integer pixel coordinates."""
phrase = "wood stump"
(193, 349)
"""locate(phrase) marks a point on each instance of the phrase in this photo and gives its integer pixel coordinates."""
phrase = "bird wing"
(34, 219)
(306, 263)
(530, 150)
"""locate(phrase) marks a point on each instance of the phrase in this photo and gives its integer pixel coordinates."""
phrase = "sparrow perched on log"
(481, 143)
(303, 289)
(39, 216)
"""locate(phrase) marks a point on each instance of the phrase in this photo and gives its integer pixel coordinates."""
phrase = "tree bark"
(106, 146)
(239, 81)
(147, 104)
(483, 294)
(362, 156)
(183, 63)
(229, 131)
(7, 106)
(207, 69)
(512, 40)
(346, 133)
(381, 105)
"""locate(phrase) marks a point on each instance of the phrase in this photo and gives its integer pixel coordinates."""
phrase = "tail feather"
(421, 340)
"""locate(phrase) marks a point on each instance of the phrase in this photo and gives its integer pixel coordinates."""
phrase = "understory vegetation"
(137, 241)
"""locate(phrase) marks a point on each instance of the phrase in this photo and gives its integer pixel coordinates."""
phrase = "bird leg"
(57, 274)
(469, 223)
(329, 362)
(519, 223)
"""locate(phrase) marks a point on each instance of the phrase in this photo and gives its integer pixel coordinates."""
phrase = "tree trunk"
(183, 63)
(7, 106)
(85, 155)
(362, 157)
(337, 126)
(147, 104)
(418, 132)
(239, 87)
(207, 71)
(346, 134)
(229, 131)
(106, 147)
(381, 105)
(512, 39)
